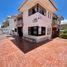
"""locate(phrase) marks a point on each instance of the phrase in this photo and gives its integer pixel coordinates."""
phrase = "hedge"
(63, 35)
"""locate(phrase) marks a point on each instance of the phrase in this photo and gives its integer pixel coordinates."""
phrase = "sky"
(62, 9)
(10, 7)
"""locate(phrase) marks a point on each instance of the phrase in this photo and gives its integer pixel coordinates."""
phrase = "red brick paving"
(51, 54)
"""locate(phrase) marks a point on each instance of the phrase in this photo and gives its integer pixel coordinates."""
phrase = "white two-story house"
(9, 25)
(37, 19)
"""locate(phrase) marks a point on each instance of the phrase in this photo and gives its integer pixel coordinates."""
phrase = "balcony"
(19, 21)
(38, 17)
(55, 23)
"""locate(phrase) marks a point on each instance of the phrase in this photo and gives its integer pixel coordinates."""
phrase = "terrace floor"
(50, 54)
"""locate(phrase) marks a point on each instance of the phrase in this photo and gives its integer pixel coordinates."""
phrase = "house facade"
(56, 25)
(19, 24)
(12, 22)
(37, 19)
(9, 25)
(1, 31)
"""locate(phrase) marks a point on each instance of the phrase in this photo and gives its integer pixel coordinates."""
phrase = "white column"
(39, 30)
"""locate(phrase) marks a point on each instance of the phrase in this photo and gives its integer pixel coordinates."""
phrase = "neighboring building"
(12, 24)
(36, 22)
(56, 25)
(9, 25)
(63, 26)
(19, 24)
(5, 24)
(5, 31)
(1, 31)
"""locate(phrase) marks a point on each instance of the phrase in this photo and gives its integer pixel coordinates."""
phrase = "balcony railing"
(37, 16)
(19, 23)
(55, 23)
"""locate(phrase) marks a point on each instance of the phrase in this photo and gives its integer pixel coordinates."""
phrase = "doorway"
(20, 32)
(55, 32)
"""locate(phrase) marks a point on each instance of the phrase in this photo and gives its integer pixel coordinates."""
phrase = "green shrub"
(65, 31)
(64, 34)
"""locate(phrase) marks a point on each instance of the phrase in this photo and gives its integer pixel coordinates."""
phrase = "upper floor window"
(49, 15)
(37, 8)
(48, 31)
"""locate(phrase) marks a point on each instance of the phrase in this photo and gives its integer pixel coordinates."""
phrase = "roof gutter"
(22, 4)
(53, 4)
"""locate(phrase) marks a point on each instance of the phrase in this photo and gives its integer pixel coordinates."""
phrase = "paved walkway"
(3, 36)
(51, 54)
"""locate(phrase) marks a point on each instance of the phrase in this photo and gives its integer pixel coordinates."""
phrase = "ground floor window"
(48, 31)
(37, 31)
(43, 30)
(33, 30)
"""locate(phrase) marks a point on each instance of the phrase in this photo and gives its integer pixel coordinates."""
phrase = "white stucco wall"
(44, 21)
(12, 24)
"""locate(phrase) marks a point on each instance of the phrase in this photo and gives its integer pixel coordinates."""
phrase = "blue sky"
(9, 7)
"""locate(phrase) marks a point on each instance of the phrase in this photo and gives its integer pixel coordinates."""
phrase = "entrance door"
(20, 33)
(55, 32)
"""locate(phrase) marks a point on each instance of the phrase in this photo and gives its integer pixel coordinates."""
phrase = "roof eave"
(53, 5)
(22, 5)
(49, 0)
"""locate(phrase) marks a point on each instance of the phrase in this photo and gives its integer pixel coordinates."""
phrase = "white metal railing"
(56, 22)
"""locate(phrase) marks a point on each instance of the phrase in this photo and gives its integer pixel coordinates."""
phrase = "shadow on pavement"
(26, 46)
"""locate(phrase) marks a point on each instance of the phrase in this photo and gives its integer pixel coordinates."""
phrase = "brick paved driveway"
(51, 54)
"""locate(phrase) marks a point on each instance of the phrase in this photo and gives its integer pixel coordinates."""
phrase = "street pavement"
(51, 54)
(2, 36)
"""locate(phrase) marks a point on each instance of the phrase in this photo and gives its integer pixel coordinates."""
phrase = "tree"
(6, 23)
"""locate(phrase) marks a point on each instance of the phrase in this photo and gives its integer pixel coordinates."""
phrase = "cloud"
(64, 21)
(0, 26)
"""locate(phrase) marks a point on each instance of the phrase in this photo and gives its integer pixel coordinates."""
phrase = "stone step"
(29, 39)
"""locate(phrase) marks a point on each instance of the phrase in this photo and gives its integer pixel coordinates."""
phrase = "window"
(49, 15)
(41, 10)
(48, 31)
(43, 30)
(29, 30)
(37, 8)
(32, 10)
(36, 32)
(33, 30)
